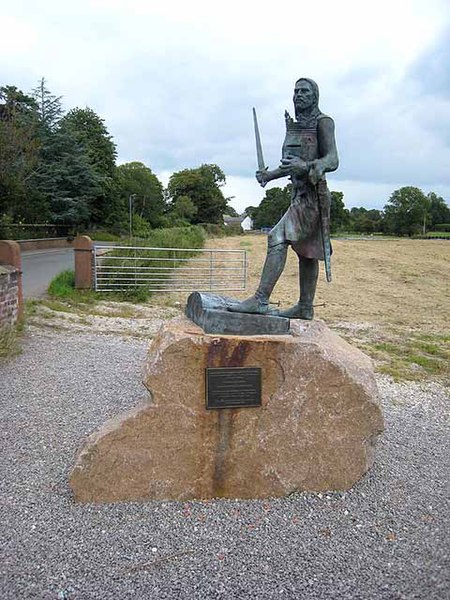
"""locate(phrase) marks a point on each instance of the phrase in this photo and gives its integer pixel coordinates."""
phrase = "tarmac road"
(40, 266)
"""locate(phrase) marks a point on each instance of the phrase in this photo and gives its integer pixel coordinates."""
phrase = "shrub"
(103, 236)
(442, 227)
(175, 237)
(217, 230)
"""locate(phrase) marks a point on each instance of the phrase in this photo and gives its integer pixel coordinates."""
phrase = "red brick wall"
(9, 296)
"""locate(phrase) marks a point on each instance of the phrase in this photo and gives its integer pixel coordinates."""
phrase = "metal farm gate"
(169, 269)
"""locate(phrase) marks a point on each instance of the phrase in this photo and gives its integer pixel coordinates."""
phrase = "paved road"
(40, 266)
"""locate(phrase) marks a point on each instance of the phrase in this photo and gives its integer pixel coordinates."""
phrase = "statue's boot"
(273, 267)
(309, 271)
(298, 311)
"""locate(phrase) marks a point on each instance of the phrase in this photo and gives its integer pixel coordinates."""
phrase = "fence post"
(10, 255)
(83, 248)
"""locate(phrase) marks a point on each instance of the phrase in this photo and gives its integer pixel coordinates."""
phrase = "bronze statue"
(309, 151)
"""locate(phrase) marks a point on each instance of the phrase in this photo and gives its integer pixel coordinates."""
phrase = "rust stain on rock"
(225, 432)
(228, 352)
(225, 352)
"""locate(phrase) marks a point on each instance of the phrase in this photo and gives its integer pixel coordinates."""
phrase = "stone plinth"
(315, 430)
(211, 313)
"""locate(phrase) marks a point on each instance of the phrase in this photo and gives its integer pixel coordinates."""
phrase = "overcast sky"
(175, 82)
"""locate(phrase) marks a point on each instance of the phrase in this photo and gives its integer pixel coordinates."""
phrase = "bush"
(175, 237)
(233, 229)
(216, 230)
(102, 236)
(442, 227)
(141, 227)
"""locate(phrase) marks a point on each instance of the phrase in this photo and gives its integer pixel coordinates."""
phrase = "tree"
(251, 211)
(363, 220)
(184, 208)
(407, 211)
(49, 108)
(339, 215)
(272, 207)
(18, 148)
(439, 211)
(136, 180)
(231, 212)
(202, 186)
(90, 132)
(65, 180)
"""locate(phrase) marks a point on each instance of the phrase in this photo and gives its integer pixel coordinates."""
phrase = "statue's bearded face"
(304, 96)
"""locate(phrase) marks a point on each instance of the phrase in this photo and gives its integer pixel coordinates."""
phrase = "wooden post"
(10, 255)
(83, 248)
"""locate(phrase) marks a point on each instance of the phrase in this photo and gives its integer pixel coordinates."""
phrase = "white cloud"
(175, 82)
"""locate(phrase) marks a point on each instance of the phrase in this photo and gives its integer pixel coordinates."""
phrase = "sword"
(324, 228)
(259, 152)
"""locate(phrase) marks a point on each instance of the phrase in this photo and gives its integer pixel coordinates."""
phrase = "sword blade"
(325, 235)
(259, 152)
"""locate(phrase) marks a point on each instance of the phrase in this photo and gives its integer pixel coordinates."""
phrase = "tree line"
(60, 168)
(408, 211)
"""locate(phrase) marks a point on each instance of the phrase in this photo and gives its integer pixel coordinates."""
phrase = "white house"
(243, 220)
(247, 223)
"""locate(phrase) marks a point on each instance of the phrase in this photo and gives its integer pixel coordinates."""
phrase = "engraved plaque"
(233, 387)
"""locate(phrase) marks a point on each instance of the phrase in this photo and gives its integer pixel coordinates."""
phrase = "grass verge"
(65, 297)
(9, 346)
(412, 356)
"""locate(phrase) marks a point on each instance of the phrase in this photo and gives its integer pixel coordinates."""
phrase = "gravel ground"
(387, 538)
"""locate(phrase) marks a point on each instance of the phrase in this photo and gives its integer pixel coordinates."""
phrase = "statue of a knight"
(309, 151)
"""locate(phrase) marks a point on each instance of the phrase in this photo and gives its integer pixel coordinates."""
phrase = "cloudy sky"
(175, 82)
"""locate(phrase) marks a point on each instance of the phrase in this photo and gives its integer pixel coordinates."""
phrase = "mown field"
(390, 297)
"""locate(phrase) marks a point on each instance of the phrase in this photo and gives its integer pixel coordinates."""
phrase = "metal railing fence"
(169, 269)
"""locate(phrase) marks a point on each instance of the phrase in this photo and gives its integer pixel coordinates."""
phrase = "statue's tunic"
(300, 225)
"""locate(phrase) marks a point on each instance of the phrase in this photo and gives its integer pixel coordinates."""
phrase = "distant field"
(435, 234)
(390, 297)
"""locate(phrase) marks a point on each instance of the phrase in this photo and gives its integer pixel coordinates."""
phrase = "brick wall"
(9, 296)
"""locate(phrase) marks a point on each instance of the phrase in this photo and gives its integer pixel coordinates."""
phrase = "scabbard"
(322, 200)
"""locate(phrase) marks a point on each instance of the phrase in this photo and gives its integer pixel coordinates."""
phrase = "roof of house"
(228, 219)
(239, 219)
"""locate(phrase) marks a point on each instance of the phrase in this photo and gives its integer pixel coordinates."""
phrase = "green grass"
(436, 234)
(62, 285)
(62, 290)
(414, 357)
(9, 346)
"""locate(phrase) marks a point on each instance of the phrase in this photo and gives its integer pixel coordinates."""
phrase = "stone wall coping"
(50, 239)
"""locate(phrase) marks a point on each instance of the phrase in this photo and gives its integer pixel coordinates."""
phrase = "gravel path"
(388, 538)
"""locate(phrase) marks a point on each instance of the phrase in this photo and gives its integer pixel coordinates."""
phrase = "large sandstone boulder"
(315, 430)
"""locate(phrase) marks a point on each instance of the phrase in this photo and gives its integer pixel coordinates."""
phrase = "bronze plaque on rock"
(233, 387)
